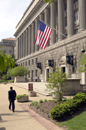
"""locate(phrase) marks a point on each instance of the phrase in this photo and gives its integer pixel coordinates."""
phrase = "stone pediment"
(63, 61)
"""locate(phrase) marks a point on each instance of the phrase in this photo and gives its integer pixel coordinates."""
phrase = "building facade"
(8, 45)
(67, 18)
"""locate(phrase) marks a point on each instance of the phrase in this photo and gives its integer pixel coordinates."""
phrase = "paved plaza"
(23, 118)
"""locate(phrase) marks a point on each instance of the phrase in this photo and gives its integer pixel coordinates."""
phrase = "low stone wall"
(20, 79)
(72, 87)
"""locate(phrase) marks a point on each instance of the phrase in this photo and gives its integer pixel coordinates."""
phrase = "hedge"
(68, 107)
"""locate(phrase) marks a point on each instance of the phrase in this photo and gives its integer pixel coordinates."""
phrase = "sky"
(11, 11)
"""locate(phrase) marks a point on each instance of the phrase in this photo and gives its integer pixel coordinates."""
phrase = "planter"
(56, 95)
(32, 94)
(23, 99)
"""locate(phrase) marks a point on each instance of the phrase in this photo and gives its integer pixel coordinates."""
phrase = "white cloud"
(11, 12)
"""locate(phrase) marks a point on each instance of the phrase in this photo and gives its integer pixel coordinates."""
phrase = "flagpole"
(54, 28)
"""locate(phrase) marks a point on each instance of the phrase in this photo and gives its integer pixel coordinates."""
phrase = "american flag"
(43, 35)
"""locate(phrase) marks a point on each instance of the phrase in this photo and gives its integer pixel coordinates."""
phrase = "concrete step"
(39, 88)
(42, 91)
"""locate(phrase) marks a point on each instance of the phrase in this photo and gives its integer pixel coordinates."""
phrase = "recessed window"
(29, 62)
(4, 51)
(26, 63)
(76, 15)
(65, 6)
(29, 74)
(10, 51)
(75, 1)
(65, 21)
(36, 73)
(76, 31)
(36, 60)
(32, 61)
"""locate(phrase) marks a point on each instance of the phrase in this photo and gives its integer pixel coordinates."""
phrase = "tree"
(5, 61)
(57, 81)
(82, 63)
(17, 71)
(49, 1)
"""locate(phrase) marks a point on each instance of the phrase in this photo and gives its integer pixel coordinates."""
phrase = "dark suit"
(12, 98)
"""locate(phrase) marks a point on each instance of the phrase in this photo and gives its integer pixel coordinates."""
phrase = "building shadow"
(3, 128)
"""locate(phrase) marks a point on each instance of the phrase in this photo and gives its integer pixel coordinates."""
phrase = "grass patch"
(76, 123)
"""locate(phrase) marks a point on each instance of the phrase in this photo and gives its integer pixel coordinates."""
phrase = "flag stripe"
(43, 35)
(46, 37)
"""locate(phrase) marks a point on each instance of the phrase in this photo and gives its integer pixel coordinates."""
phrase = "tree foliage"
(82, 63)
(5, 61)
(17, 71)
(49, 1)
(57, 81)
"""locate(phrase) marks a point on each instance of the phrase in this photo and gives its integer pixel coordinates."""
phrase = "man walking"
(12, 98)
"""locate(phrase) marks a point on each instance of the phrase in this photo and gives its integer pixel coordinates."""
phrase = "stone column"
(17, 49)
(22, 46)
(70, 18)
(53, 23)
(33, 38)
(36, 29)
(82, 15)
(29, 40)
(23, 42)
(60, 19)
(26, 43)
(33, 30)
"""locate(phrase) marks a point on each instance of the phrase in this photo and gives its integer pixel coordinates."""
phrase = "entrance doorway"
(63, 69)
(47, 74)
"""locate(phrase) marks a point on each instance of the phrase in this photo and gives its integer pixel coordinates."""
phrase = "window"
(65, 21)
(21, 64)
(32, 73)
(32, 62)
(76, 31)
(73, 70)
(29, 62)
(36, 60)
(26, 63)
(10, 51)
(4, 51)
(29, 74)
(65, 6)
(36, 72)
(76, 15)
(75, 1)
(41, 70)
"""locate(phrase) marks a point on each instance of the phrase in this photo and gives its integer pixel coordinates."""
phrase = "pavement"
(23, 118)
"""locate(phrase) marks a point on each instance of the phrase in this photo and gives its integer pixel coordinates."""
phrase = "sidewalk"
(23, 118)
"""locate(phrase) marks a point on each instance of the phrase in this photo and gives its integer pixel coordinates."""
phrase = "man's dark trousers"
(11, 103)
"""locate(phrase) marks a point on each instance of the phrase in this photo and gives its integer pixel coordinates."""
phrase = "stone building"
(8, 45)
(67, 18)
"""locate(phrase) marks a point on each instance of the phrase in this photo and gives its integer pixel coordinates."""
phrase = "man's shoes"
(13, 111)
(9, 108)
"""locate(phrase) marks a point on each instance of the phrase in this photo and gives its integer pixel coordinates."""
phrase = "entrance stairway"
(38, 87)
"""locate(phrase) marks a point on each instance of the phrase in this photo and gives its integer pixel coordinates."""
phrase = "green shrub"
(11, 81)
(17, 71)
(80, 96)
(35, 103)
(4, 77)
(45, 100)
(40, 101)
(19, 96)
(68, 107)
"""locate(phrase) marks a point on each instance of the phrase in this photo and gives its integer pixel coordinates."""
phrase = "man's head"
(11, 88)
